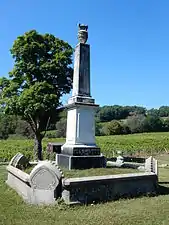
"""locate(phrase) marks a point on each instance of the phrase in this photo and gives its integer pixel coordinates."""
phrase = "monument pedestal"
(80, 150)
(80, 162)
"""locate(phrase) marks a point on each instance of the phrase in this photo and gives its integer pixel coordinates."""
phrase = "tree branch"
(46, 127)
(33, 123)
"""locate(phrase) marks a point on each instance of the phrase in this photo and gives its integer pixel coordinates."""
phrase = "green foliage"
(153, 112)
(166, 124)
(153, 124)
(98, 129)
(61, 127)
(7, 126)
(51, 134)
(135, 123)
(113, 127)
(163, 111)
(135, 144)
(42, 73)
(116, 112)
(23, 129)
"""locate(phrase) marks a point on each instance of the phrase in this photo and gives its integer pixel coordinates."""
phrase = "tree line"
(110, 120)
(117, 112)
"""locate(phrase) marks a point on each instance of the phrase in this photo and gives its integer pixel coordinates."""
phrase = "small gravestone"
(151, 165)
(54, 147)
(19, 161)
(120, 159)
(45, 176)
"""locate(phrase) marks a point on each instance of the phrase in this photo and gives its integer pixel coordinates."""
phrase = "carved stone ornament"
(82, 33)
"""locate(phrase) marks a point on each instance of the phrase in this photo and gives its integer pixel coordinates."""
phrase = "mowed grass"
(91, 172)
(97, 172)
(136, 144)
(144, 210)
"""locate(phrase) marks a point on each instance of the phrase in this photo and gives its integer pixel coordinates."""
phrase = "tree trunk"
(38, 147)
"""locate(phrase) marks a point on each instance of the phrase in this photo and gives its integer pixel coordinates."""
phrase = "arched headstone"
(46, 176)
(19, 161)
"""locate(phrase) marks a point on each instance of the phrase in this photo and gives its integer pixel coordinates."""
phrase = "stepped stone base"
(80, 162)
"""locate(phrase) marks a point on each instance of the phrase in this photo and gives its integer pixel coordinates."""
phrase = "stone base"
(80, 150)
(80, 162)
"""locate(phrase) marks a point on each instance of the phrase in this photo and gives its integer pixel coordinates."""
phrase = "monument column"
(80, 150)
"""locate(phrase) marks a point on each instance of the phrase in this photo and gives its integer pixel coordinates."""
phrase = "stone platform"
(86, 190)
(80, 162)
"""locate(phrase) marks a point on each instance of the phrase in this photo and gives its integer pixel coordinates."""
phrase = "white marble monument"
(80, 149)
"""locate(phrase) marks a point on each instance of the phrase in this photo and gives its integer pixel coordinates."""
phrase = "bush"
(51, 134)
(61, 128)
(135, 123)
(112, 128)
(153, 124)
(24, 129)
(98, 129)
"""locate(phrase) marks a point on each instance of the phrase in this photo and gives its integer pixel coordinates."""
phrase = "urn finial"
(82, 33)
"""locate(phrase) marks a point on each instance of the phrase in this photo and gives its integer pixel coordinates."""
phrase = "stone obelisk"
(80, 150)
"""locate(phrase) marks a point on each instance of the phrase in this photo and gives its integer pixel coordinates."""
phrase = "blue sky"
(129, 43)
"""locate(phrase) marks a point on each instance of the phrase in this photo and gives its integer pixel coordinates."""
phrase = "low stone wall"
(42, 186)
(45, 183)
(87, 190)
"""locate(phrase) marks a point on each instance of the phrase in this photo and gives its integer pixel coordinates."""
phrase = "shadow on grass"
(162, 190)
(165, 182)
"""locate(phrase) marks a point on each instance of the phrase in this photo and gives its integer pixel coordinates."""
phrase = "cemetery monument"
(80, 150)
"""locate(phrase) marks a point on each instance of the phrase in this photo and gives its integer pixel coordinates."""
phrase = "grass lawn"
(91, 172)
(145, 210)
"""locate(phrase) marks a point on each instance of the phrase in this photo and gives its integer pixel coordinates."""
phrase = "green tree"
(42, 73)
(7, 125)
(112, 128)
(136, 123)
(116, 112)
(98, 129)
(153, 112)
(61, 128)
(23, 129)
(153, 124)
(164, 111)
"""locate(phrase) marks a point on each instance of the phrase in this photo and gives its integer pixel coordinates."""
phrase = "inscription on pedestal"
(86, 151)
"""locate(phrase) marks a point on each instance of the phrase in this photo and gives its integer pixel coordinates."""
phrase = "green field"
(139, 211)
(136, 144)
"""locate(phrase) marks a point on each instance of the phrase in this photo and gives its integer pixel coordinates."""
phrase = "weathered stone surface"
(19, 161)
(45, 176)
(81, 77)
(42, 186)
(82, 33)
(87, 190)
